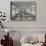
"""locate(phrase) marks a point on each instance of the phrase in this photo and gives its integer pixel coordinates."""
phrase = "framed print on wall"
(23, 11)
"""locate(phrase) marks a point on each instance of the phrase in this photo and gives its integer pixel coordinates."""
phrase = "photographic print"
(23, 11)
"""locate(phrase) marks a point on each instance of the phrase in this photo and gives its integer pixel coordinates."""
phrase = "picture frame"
(23, 11)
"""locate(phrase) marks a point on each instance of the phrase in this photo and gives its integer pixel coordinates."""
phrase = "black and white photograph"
(23, 11)
(22, 23)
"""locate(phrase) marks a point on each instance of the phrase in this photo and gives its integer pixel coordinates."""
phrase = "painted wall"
(40, 18)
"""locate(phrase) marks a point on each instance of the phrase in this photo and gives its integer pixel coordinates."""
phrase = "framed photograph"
(23, 11)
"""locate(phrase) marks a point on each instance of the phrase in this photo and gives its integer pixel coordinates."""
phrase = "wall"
(40, 18)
